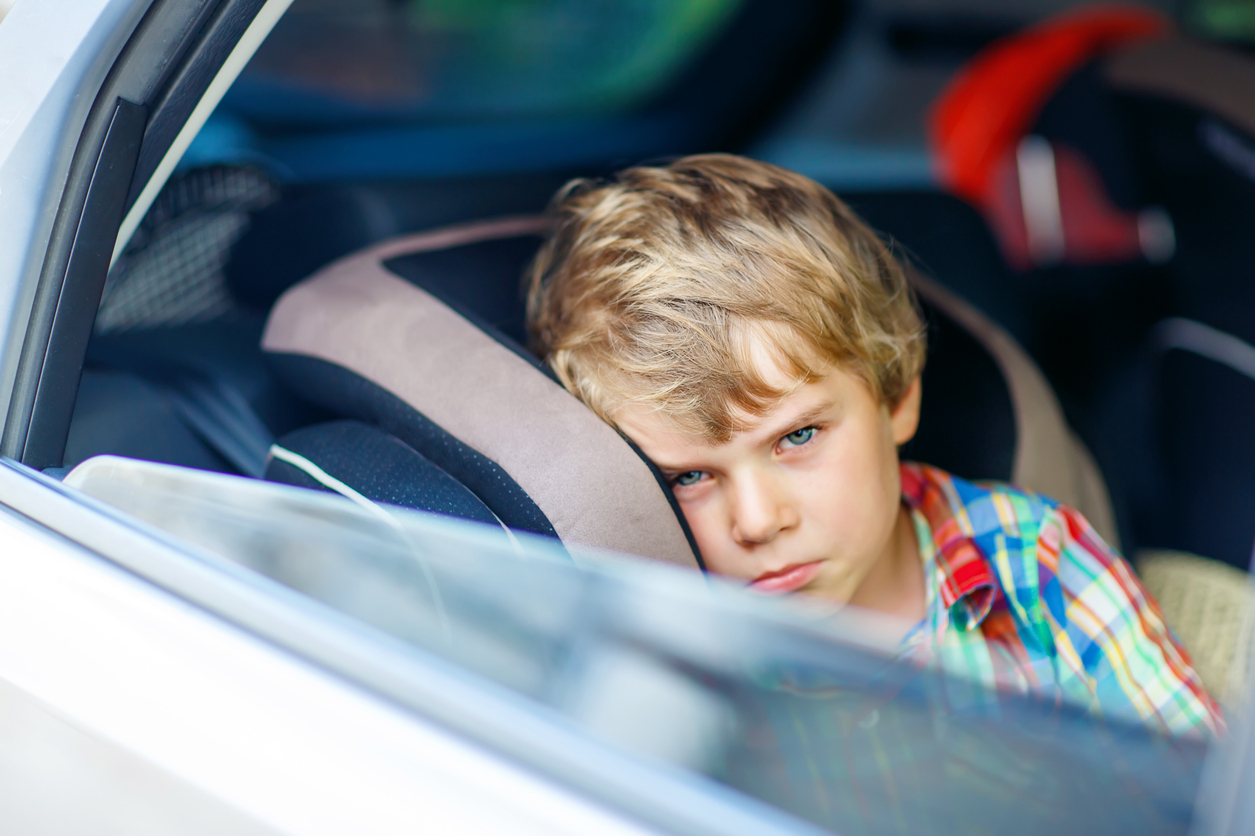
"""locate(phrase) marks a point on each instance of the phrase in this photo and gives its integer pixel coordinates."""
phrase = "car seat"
(408, 337)
(419, 338)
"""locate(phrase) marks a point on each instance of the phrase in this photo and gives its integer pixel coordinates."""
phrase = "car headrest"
(1189, 105)
(1211, 78)
(404, 354)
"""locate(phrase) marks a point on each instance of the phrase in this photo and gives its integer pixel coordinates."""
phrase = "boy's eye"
(799, 437)
(691, 477)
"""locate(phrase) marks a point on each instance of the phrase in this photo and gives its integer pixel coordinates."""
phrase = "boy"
(760, 344)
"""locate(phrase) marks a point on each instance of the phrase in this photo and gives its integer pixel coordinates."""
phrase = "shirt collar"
(965, 581)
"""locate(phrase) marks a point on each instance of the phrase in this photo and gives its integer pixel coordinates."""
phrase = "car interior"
(327, 292)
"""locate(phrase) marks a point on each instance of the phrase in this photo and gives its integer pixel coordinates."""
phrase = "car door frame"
(166, 78)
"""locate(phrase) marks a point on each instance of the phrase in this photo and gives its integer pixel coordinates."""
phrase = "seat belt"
(221, 417)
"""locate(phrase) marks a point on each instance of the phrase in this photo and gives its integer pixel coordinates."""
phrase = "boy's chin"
(878, 631)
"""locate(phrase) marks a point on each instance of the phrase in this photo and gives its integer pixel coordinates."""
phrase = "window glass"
(1227, 20)
(810, 714)
(344, 60)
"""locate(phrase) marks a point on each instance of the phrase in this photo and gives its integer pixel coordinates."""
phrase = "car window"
(801, 709)
(332, 61)
(1225, 20)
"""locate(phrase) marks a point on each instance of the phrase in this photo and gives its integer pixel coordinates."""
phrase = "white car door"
(126, 707)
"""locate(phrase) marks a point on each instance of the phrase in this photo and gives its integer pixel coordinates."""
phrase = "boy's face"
(807, 497)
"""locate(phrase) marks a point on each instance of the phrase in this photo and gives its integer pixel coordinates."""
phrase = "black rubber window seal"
(160, 75)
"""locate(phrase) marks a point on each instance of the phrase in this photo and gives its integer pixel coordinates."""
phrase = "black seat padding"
(1206, 417)
(378, 466)
(494, 297)
(967, 419)
(1177, 427)
(121, 413)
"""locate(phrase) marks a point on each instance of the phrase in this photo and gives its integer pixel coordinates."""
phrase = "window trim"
(179, 56)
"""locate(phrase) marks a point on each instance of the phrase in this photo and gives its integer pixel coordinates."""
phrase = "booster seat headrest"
(408, 354)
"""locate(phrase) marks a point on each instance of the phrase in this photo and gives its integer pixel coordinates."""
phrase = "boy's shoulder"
(1064, 599)
(974, 509)
(1027, 544)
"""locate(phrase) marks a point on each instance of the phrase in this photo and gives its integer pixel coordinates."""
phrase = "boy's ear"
(904, 418)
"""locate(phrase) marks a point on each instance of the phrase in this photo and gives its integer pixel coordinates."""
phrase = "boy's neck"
(896, 584)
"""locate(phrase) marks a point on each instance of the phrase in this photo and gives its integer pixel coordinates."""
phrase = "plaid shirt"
(1024, 595)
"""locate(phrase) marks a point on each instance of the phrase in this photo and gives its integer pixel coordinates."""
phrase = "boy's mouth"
(788, 579)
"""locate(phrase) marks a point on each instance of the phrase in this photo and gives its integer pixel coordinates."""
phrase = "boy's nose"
(760, 512)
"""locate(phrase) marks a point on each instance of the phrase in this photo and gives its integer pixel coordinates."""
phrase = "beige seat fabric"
(1211, 607)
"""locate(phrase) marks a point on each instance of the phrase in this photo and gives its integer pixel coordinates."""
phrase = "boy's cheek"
(712, 540)
(704, 530)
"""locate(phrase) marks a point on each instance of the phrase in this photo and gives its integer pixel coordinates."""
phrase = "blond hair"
(650, 286)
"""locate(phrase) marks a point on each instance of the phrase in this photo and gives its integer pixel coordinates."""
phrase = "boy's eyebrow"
(796, 422)
(777, 429)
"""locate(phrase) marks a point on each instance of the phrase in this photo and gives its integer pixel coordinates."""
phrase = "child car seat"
(362, 341)
(419, 338)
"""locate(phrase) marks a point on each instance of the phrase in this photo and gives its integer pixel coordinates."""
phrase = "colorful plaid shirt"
(1024, 595)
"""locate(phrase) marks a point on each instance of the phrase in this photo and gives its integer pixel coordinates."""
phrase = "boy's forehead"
(765, 355)
(772, 359)
(650, 427)
(764, 359)
(667, 440)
